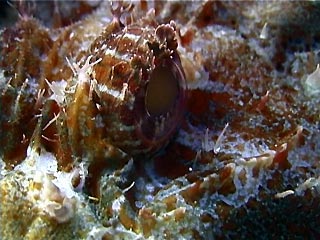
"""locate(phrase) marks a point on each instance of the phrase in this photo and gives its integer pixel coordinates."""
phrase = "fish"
(167, 118)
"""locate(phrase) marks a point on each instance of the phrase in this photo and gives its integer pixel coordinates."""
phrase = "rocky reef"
(160, 120)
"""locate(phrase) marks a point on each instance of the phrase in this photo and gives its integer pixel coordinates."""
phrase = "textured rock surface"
(243, 164)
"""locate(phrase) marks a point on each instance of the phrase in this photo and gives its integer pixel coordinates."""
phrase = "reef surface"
(242, 162)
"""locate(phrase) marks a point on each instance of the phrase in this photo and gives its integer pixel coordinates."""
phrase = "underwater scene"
(159, 120)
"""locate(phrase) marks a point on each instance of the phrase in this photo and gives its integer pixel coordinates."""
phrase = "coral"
(43, 200)
(160, 120)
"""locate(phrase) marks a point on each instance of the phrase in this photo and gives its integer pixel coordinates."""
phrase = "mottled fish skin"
(197, 120)
(89, 87)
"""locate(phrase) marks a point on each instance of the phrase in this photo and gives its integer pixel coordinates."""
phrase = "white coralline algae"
(312, 83)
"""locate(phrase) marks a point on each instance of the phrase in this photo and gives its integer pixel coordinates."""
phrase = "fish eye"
(162, 92)
(160, 107)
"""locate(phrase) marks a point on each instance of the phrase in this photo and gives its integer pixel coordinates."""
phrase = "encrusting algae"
(160, 120)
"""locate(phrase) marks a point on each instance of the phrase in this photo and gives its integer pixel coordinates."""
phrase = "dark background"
(8, 14)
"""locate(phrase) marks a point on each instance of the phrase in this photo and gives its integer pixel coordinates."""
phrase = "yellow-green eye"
(162, 92)
(159, 106)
